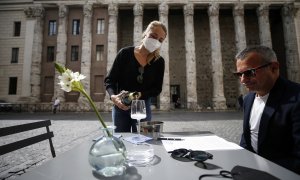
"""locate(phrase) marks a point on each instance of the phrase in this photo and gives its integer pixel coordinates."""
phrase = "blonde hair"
(153, 24)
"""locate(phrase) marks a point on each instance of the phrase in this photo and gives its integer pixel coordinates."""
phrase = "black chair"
(29, 141)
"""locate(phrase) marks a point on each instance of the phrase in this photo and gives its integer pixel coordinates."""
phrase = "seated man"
(271, 109)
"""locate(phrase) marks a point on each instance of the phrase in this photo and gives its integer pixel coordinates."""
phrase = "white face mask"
(151, 44)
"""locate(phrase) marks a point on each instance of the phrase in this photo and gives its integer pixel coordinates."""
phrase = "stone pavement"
(70, 129)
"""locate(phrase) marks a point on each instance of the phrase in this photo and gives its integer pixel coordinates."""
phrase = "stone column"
(288, 13)
(264, 25)
(138, 23)
(164, 51)
(61, 49)
(239, 27)
(86, 55)
(112, 44)
(28, 46)
(240, 34)
(191, 72)
(218, 100)
(37, 13)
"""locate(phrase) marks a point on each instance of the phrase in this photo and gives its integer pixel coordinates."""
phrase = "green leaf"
(59, 68)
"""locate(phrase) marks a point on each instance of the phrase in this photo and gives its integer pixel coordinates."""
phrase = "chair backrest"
(28, 141)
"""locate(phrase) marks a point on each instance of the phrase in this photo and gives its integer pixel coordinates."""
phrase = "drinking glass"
(140, 155)
(138, 112)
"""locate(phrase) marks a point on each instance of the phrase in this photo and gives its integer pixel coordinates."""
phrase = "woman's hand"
(116, 99)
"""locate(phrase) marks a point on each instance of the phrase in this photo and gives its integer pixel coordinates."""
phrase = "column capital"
(238, 9)
(138, 9)
(188, 9)
(263, 10)
(163, 9)
(213, 9)
(289, 10)
(34, 11)
(113, 9)
(62, 11)
(88, 10)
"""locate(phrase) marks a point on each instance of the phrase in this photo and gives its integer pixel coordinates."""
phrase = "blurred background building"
(85, 36)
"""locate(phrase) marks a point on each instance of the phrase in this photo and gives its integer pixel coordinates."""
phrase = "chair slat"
(23, 127)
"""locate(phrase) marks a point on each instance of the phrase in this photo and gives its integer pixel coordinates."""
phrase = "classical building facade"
(85, 36)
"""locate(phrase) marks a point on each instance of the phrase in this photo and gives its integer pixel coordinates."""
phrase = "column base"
(83, 104)
(34, 99)
(24, 99)
(219, 105)
(193, 106)
(108, 104)
(164, 106)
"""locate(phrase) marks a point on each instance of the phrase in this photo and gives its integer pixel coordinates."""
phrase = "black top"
(125, 69)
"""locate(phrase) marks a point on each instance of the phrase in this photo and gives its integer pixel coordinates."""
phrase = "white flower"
(66, 77)
(77, 77)
(68, 80)
(66, 86)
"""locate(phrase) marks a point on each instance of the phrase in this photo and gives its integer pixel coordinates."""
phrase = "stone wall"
(203, 57)
(228, 53)
(125, 28)
(7, 42)
(177, 52)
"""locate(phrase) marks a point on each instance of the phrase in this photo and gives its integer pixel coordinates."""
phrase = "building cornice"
(9, 5)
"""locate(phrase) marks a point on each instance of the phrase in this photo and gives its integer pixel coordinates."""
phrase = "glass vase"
(108, 154)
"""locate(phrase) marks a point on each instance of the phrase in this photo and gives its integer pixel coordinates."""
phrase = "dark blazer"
(279, 130)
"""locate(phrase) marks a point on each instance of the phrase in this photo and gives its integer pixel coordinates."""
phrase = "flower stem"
(99, 117)
(96, 111)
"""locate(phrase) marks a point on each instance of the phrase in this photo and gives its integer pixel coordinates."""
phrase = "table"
(74, 165)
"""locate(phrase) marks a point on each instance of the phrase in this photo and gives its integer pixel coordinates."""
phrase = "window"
(50, 53)
(99, 53)
(14, 55)
(76, 27)
(13, 85)
(52, 28)
(17, 28)
(100, 26)
(74, 53)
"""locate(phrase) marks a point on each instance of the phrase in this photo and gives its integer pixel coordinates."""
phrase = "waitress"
(139, 69)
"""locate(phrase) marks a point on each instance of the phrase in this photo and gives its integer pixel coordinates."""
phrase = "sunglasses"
(140, 78)
(199, 156)
(250, 72)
